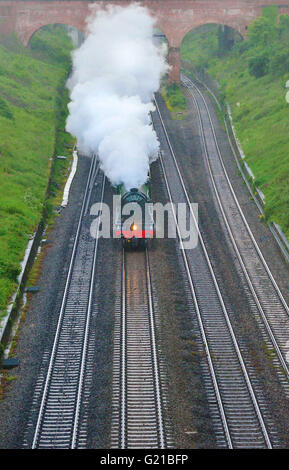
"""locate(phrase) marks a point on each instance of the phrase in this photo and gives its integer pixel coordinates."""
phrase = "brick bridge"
(174, 18)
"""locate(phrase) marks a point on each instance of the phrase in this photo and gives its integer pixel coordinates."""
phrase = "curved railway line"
(238, 410)
(270, 307)
(139, 382)
(60, 390)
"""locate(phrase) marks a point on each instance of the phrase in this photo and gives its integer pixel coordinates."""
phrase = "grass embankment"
(32, 119)
(175, 100)
(252, 76)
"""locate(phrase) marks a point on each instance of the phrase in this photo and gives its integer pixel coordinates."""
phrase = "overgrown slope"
(32, 115)
(252, 76)
(175, 100)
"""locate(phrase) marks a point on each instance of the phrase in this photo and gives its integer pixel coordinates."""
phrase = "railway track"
(139, 383)
(269, 306)
(57, 418)
(238, 409)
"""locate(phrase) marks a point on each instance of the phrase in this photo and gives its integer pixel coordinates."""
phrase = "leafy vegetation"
(175, 100)
(251, 76)
(32, 118)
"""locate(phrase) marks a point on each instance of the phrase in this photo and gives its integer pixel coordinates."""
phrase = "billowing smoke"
(115, 73)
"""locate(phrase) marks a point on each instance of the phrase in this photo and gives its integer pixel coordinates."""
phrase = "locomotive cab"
(135, 224)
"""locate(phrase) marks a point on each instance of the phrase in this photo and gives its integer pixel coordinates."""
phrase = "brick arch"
(35, 15)
(78, 20)
(174, 56)
(240, 29)
(174, 17)
(26, 38)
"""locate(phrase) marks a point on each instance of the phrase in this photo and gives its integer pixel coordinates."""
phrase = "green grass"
(32, 117)
(175, 100)
(200, 46)
(259, 109)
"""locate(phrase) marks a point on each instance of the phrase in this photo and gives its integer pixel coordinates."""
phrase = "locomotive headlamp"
(133, 226)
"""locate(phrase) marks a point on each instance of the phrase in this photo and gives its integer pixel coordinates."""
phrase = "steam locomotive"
(135, 223)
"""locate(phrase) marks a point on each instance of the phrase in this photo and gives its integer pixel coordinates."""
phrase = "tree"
(271, 12)
(283, 26)
(262, 31)
(279, 62)
(226, 39)
(259, 65)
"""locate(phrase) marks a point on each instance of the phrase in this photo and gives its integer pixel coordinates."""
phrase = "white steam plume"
(115, 73)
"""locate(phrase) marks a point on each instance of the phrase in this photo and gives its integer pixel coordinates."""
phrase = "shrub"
(259, 65)
(176, 97)
(262, 31)
(9, 269)
(240, 47)
(280, 62)
(283, 26)
(5, 110)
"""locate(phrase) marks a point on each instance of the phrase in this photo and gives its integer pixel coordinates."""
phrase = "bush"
(280, 62)
(283, 26)
(262, 31)
(9, 269)
(176, 97)
(259, 65)
(4, 110)
(240, 47)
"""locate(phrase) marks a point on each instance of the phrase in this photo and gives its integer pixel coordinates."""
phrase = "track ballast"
(269, 306)
(57, 418)
(139, 382)
(239, 416)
